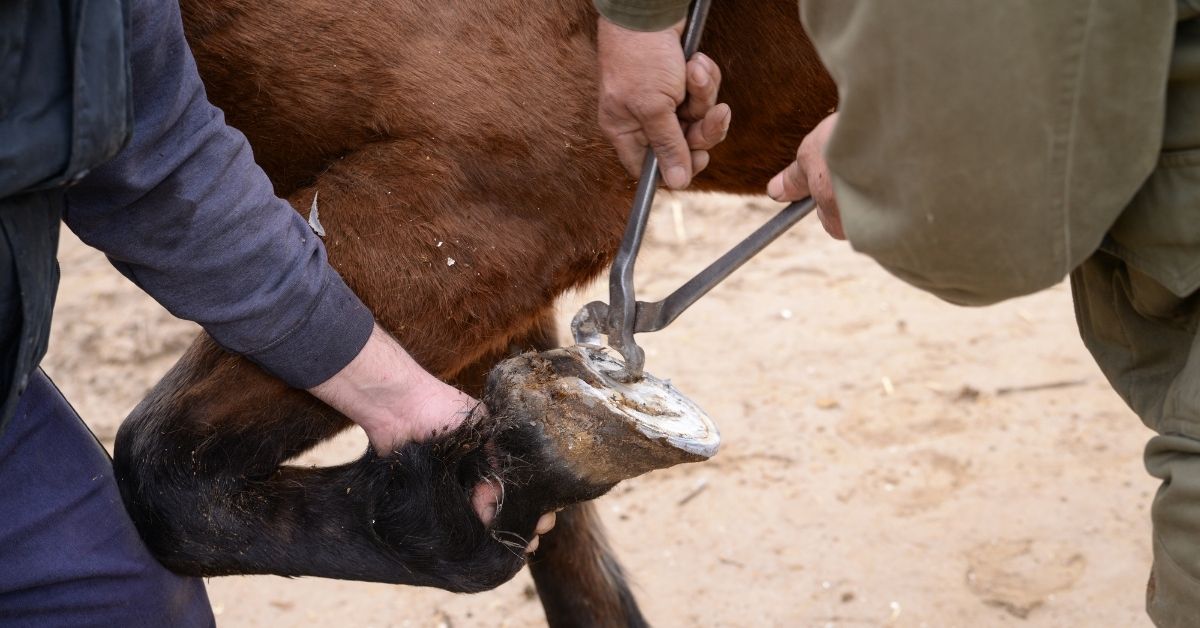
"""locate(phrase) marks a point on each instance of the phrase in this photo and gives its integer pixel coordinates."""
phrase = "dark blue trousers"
(69, 554)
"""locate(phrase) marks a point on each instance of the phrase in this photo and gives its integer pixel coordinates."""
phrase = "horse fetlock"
(416, 507)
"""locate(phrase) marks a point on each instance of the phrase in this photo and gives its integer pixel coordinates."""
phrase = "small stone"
(967, 393)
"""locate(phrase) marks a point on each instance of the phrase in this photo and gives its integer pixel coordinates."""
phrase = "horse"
(432, 130)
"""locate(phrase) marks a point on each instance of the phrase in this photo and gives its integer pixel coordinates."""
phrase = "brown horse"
(432, 129)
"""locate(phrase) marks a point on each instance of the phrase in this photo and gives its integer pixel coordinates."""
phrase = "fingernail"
(700, 76)
(676, 177)
(775, 187)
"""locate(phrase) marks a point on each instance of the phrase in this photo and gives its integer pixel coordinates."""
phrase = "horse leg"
(201, 469)
(579, 580)
(455, 273)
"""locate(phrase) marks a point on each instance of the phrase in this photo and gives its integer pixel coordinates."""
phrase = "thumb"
(789, 185)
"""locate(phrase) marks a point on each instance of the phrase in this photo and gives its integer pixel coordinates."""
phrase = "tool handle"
(695, 27)
(655, 316)
(622, 313)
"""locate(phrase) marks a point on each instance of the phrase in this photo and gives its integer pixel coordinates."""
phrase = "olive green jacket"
(643, 15)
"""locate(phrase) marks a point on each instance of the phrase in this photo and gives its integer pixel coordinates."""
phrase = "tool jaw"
(595, 319)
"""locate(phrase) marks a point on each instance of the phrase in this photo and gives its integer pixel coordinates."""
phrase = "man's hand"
(643, 81)
(396, 401)
(391, 397)
(809, 176)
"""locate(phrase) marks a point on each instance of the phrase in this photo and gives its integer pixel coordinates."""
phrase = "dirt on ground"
(887, 459)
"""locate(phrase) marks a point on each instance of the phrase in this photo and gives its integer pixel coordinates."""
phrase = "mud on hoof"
(565, 431)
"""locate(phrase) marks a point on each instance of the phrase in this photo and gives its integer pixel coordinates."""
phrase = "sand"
(887, 459)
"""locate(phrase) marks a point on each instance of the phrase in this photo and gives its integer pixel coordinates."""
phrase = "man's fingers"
(483, 500)
(789, 185)
(703, 85)
(545, 523)
(710, 131)
(666, 138)
(832, 221)
(656, 122)
(700, 160)
(643, 80)
(809, 176)
(827, 208)
(631, 150)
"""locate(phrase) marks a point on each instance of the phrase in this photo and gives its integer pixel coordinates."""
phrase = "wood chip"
(731, 562)
(677, 218)
(700, 486)
(1070, 383)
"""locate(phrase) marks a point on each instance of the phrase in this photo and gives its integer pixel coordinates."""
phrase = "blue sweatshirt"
(184, 213)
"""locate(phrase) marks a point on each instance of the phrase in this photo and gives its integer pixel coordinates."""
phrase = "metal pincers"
(623, 315)
(626, 316)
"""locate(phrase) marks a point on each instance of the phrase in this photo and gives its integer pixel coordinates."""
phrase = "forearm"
(983, 149)
(643, 15)
(184, 212)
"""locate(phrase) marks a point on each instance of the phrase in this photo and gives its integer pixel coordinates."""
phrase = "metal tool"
(624, 315)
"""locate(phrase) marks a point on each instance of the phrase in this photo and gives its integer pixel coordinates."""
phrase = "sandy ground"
(888, 460)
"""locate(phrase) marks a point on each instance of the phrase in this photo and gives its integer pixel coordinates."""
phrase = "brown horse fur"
(433, 130)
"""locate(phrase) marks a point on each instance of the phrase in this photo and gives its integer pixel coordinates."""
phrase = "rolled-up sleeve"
(184, 212)
(984, 148)
(643, 15)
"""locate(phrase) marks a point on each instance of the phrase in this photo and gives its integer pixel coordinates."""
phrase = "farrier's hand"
(809, 176)
(396, 401)
(643, 81)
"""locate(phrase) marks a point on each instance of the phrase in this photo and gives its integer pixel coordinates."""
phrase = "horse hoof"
(593, 427)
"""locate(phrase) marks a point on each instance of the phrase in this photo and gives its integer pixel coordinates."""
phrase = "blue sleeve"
(185, 213)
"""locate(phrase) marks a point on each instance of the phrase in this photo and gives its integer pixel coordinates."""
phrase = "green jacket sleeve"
(984, 148)
(643, 15)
